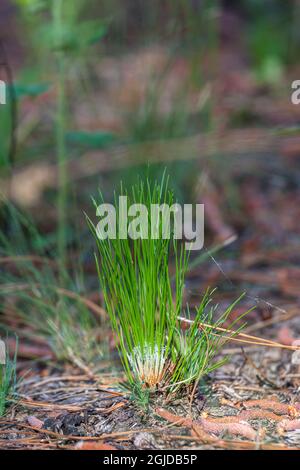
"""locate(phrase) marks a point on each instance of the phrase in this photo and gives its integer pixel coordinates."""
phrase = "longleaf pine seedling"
(144, 301)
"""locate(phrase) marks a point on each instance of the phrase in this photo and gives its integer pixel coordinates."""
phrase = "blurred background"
(103, 91)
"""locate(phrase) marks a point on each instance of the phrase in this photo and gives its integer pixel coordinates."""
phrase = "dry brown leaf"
(35, 422)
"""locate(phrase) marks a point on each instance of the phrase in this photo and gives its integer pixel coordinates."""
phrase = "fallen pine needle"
(242, 337)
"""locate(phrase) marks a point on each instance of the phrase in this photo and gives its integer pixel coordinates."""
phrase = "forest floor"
(252, 402)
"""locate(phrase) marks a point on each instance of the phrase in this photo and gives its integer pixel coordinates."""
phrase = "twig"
(249, 339)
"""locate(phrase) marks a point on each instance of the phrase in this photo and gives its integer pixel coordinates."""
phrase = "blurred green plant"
(8, 380)
(272, 36)
(97, 140)
(50, 305)
(5, 136)
(62, 32)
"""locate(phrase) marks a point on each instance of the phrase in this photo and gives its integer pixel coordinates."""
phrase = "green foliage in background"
(54, 307)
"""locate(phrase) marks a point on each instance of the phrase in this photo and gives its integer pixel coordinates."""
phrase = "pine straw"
(207, 428)
(242, 337)
(125, 435)
(70, 408)
(69, 437)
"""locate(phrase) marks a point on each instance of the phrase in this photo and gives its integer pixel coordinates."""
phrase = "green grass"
(138, 295)
(7, 380)
(200, 343)
(144, 306)
(34, 293)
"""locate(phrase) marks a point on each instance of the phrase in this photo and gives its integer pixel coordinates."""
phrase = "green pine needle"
(144, 306)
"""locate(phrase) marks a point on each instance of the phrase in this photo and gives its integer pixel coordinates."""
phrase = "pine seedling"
(136, 284)
(200, 343)
(145, 306)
